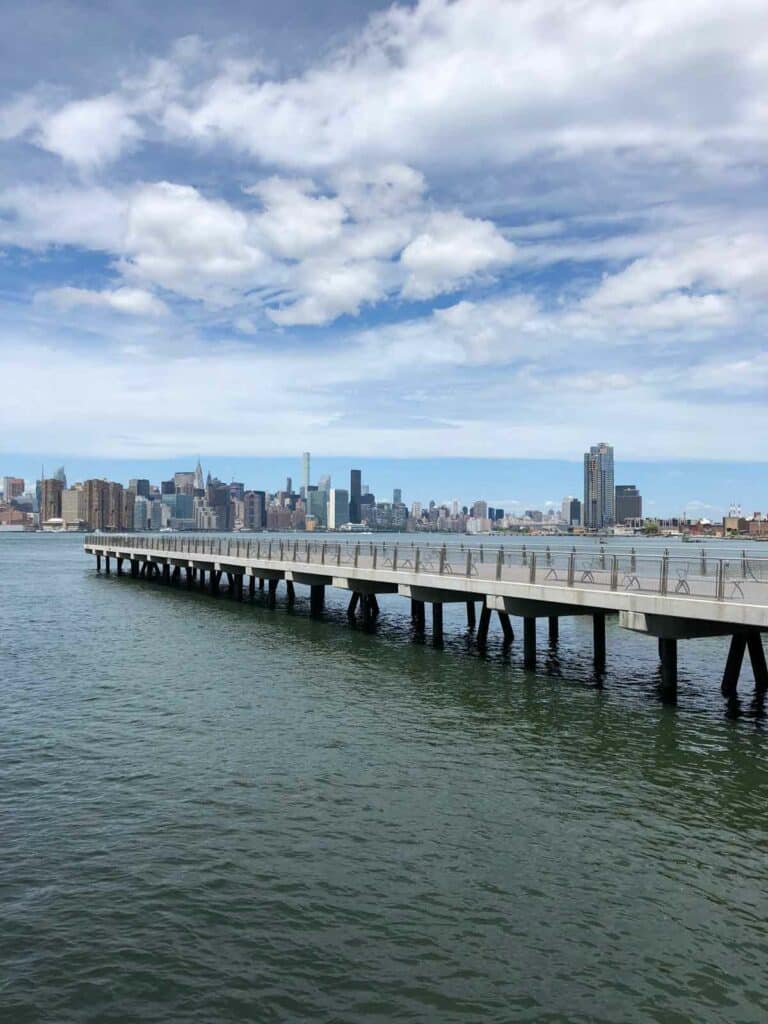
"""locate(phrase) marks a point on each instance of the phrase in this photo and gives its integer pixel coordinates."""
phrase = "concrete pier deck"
(666, 597)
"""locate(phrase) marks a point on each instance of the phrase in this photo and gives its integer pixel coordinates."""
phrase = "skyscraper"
(50, 500)
(139, 486)
(355, 493)
(629, 503)
(199, 481)
(397, 495)
(305, 474)
(338, 508)
(599, 493)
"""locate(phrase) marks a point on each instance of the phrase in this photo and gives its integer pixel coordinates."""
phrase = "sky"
(433, 231)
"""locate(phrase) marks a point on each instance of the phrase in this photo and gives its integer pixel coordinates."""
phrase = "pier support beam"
(529, 642)
(757, 657)
(119, 562)
(506, 628)
(106, 564)
(316, 599)
(598, 634)
(418, 614)
(290, 591)
(166, 573)
(215, 575)
(134, 567)
(668, 654)
(261, 583)
(251, 586)
(554, 629)
(272, 593)
(437, 622)
(733, 664)
(471, 620)
(482, 629)
(98, 562)
(352, 606)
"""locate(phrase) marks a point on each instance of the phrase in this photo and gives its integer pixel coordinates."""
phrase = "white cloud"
(90, 133)
(198, 247)
(296, 222)
(36, 216)
(134, 301)
(449, 251)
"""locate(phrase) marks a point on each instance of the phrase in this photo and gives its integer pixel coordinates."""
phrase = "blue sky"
(433, 231)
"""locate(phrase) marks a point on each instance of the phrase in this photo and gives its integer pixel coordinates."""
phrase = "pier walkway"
(667, 597)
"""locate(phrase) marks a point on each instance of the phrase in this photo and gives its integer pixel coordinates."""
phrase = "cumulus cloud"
(450, 250)
(195, 246)
(90, 133)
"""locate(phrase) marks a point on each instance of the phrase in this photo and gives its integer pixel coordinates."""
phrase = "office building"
(355, 493)
(167, 487)
(397, 496)
(141, 513)
(184, 483)
(324, 483)
(140, 487)
(199, 479)
(599, 491)
(317, 506)
(61, 476)
(338, 508)
(50, 500)
(629, 503)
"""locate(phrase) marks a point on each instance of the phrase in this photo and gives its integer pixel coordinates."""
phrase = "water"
(222, 812)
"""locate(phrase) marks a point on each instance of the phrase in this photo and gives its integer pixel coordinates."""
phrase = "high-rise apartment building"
(599, 491)
(50, 499)
(72, 507)
(338, 508)
(629, 503)
(13, 487)
(115, 507)
(96, 504)
(355, 493)
(305, 474)
(254, 510)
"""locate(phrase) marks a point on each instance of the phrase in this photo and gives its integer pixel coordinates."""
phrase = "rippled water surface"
(221, 812)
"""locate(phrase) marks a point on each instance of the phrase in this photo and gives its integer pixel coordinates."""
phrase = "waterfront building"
(599, 490)
(50, 500)
(317, 506)
(72, 507)
(13, 487)
(338, 508)
(355, 494)
(96, 504)
(254, 510)
(629, 503)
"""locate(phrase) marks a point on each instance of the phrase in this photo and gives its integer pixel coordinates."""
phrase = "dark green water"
(220, 812)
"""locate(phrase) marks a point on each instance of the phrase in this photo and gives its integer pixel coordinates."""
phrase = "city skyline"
(469, 480)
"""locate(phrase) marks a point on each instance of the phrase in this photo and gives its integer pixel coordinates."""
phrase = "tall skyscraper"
(355, 493)
(96, 504)
(199, 480)
(324, 483)
(397, 495)
(629, 503)
(599, 492)
(50, 500)
(13, 487)
(338, 508)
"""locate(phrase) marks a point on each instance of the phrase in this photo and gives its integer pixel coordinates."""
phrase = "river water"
(221, 812)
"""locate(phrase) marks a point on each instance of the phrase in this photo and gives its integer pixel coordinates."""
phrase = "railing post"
(417, 561)
(720, 580)
(357, 554)
(744, 564)
(394, 559)
(663, 573)
(602, 556)
(499, 563)
(469, 561)
(375, 555)
(338, 554)
(481, 554)
(269, 551)
(614, 573)
(571, 568)
(703, 562)
(524, 554)
(442, 559)
(532, 571)
(322, 554)
(632, 561)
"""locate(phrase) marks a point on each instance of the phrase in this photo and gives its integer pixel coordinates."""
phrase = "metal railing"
(698, 575)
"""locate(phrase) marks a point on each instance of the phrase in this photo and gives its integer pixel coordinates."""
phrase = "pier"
(667, 598)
